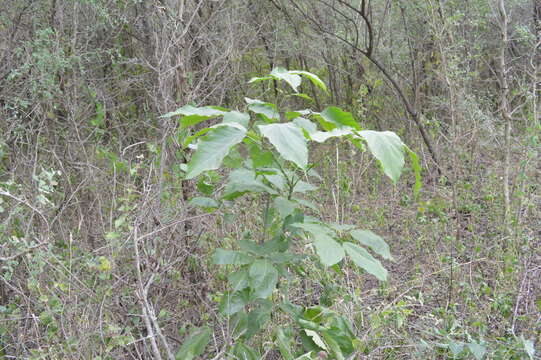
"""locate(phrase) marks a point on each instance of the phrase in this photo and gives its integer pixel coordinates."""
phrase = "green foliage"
(195, 344)
(275, 166)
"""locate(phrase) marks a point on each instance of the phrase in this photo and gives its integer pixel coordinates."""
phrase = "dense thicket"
(87, 165)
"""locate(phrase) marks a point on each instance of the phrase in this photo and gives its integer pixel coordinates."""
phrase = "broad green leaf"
(237, 117)
(263, 278)
(239, 280)
(234, 159)
(277, 244)
(314, 228)
(238, 323)
(316, 313)
(306, 203)
(478, 350)
(373, 241)
(284, 344)
(242, 181)
(204, 202)
(244, 352)
(195, 344)
(230, 257)
(341, 227)
(267, 110)
(232, 303)
(306, 125)
(293, 114)
(387, 147)
(364, 260)
(289, 141)
(322, 136)
(302, 187)
(331, 342)
(312, 77)
(189, 139)
(329, 251)
(192, 115)
(213, 148)
(278, 180)
(258, 317)
(293, 80)
(316, 338)
(456, 348)
(339, 118)
(529, 347)
(204, 187)
(260, 158)
(284, 206)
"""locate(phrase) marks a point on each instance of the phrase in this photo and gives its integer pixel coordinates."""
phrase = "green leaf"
(306, 203)
(322, 136)
(192, 115)
(293, 114)
(238, 324)
(267, 110)
(329, 251)
(478, 350)
(237, 117)
(339, 118)
(204, 187)
(284, 206)
(277, 179)
(232, 303)
(456, 348)
(260, 158)
(316, 338)
(239, 280)
(204, 202)
(230, 257)
(189, 139)
(529, 347)
(364, 260)
(234, 159)
(213, 148)
(284, 344)
(258, 317)
(293, 80)
(195, 344)
(312, 77)
(278, 244)
(242, 181)
(341, 227)
(314, 228)
(303, 96)
(263, 278)
(387, 147)
(331, 342)
(244, 352)
(289, 141)
(373, 241)
(306, 125)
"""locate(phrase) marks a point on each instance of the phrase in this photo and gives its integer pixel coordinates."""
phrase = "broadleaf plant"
(272, 160)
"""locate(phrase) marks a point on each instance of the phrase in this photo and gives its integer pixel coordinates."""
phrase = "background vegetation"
(104, 254)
